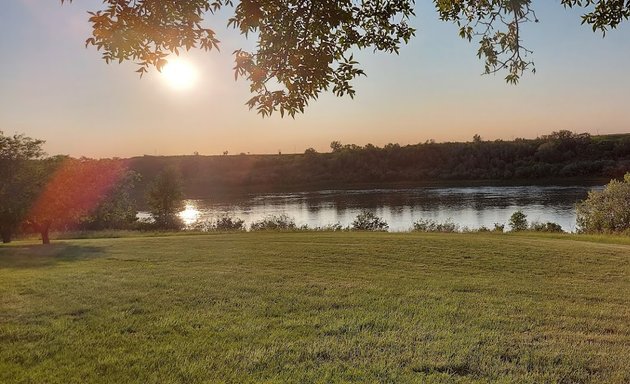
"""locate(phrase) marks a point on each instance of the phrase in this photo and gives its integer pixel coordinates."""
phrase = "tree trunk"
(6, 236)
(44, 229)
(45, 237)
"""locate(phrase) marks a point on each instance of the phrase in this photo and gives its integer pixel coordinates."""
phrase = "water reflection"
(472, 207)
(190, 215)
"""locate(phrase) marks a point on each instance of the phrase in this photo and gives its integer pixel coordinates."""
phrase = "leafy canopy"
(305, 47)
(20, 179)
(17, 148)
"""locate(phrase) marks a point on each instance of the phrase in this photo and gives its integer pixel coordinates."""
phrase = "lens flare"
(75, 189)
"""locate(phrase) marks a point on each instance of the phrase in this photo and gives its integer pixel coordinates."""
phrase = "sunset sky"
(53, 88)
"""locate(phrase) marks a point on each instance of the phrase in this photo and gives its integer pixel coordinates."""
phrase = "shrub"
(368, 221)
(546, 227)
(328, 228)
(424, 225)
(428, 225)
(499, 228)
(518, 221)
(201, 226)
(223, 223)
(607, 211)
(274, 223)
(227, 223)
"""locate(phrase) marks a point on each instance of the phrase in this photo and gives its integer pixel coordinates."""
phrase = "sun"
(180, 74)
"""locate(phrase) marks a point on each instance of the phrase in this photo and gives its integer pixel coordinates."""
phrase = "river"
(470, 207)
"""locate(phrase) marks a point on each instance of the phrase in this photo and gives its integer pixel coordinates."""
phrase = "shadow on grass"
(37, 256)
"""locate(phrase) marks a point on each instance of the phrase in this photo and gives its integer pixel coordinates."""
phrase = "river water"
(470, 207)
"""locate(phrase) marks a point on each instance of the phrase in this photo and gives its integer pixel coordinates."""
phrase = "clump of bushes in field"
(274, 223)
(518, 223)
(546, 227)
(228, 223)
(327, 228)
(607, 211)
(497, 228)
(428, 225)
(224, 223)
(368, 221)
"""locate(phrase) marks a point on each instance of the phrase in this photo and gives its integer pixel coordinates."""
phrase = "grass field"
(316, 307)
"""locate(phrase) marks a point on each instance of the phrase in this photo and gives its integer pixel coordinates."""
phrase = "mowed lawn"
(316, 307)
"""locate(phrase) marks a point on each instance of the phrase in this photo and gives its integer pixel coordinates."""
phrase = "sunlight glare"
(180, 74)
(189, 215)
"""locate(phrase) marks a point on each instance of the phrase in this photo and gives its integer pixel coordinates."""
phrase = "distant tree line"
(559, 155)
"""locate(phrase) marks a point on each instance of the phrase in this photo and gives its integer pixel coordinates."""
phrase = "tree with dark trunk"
(20, 180)
(43, 228)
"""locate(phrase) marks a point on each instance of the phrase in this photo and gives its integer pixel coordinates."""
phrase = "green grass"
(316, 307)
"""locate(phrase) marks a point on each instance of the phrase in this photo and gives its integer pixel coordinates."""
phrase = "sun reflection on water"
(190, 214)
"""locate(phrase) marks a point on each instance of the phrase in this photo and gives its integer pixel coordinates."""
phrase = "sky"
(54, 88)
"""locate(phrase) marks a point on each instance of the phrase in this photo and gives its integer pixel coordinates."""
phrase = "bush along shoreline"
(366, 221)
